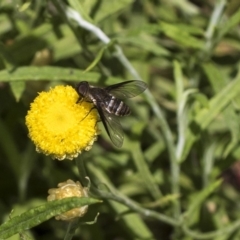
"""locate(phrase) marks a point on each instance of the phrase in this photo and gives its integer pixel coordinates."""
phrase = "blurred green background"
(179, 162)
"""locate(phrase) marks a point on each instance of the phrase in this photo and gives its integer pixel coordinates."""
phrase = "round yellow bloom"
(59, 126)
(69, 189)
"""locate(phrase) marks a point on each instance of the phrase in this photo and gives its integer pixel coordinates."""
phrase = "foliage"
(176, 176)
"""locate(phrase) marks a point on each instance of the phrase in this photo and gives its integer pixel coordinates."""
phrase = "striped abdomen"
(116, 106)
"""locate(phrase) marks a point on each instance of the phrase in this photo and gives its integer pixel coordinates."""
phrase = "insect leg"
(88, 112)
(80, 100)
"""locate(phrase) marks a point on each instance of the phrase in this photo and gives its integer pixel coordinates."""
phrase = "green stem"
(113, 194)
(81, 170)
(212, 235)
(72, 227)
(212, 26)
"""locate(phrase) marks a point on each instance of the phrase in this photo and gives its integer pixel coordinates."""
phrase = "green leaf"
(179, 82)
(200, 197)
(51, 74)
(100, 54)
(153, 151)
(202, 99)
(215, 77)
(17, 89)
(107, 8)
(88, 5)
(230, 23)
(79, 7)
(5, 24)
(187, 7)
(142, 167)
(145, 43)
(40, 214)
(181, 36)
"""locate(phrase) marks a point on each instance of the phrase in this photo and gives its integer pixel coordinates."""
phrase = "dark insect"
(109, 104)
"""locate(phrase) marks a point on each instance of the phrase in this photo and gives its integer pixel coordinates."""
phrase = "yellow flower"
(59, 126)
(69, 189)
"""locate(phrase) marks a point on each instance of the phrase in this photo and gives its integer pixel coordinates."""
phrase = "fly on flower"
(109, 104)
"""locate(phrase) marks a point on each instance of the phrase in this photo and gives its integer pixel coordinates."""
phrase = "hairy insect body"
(117, 107)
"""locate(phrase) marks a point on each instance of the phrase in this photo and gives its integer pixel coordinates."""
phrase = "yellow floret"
(65, 190)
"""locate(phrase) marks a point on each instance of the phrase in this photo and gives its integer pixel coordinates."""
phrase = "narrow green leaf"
(232, 122)
(145, 43)
(46, 73)
(200, 197)
(230, 23)
(50, 74)
(180, 36)
(142, 167)
(215, 77)
(202, 99)
(24, 6)
(179, 81)
(107, 8)
(153, 151)
(40, 214)
(78, 6)
(5, 24)
(187, 7)
(17, 89)
(88, 5)
(100, 54)
(145, 28)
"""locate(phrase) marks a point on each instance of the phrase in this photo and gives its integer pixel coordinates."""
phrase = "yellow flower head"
(59, 126)
(69, 189)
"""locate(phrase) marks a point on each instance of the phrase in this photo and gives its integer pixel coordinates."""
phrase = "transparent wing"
(112, 125)
(127, 89)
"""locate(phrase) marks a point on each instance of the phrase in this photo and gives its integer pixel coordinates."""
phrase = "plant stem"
(216, 15)
(113, 194)
(212, 235)
(72, 226)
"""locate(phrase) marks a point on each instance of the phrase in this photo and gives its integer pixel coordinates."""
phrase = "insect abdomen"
(117, 107)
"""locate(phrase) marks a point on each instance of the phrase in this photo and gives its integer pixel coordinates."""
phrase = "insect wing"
(112, 126)
(127, 89)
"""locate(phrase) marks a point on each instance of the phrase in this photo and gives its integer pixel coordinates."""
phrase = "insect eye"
(82, 89)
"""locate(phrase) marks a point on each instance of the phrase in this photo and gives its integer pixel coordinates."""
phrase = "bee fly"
(109, 104)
